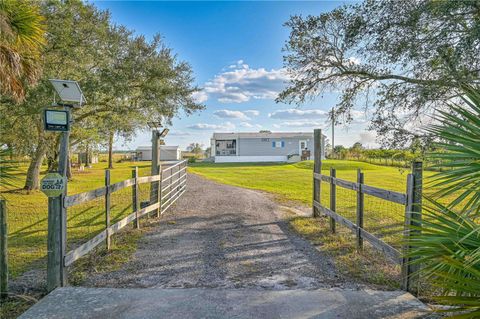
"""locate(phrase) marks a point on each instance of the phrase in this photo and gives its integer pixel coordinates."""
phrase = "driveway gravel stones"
(221, 236)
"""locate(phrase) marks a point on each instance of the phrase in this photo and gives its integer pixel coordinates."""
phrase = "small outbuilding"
(85, 157)
(167, 153)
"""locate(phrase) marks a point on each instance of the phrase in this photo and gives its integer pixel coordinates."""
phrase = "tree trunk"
(50, 164)
(52, 158)
(87, 155)
(52, 161)
(69, 167)
(32, 181)
(110, 150)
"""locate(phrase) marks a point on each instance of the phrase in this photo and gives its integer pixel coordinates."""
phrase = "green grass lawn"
(27, 213)
(293, 182)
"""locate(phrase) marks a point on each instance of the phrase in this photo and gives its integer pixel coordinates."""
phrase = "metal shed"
(167, 153)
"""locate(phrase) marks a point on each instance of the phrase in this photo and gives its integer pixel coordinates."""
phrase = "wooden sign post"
(57, 220)
(71, 96)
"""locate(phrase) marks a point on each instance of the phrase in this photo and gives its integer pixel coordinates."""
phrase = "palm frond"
(22, 38)
(448, 249)
(459, 158)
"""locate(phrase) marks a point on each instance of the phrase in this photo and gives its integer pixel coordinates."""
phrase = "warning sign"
(53, 184)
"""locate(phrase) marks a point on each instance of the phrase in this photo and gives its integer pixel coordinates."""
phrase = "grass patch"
(100, 260)
(339, 165)
(15, 305)
(123, 246)
(368, 266)
(294, 181)
(28, 211)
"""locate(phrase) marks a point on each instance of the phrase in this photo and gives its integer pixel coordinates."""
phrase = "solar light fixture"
(164, 132)
(154, 124)
(69, 92)
(56, 120)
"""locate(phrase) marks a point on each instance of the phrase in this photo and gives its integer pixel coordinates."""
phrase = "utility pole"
(333, 131)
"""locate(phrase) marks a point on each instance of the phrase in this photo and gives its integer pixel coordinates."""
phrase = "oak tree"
(398, 60)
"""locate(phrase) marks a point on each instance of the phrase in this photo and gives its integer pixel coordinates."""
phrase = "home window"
(226, 147)
(278, 144)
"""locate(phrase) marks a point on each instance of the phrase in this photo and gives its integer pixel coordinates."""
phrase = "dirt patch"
(221, 236)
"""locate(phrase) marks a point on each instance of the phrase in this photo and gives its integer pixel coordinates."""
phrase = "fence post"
(317, 167)
(360, 209)
(155, 169)
(3, 250)
(135, 197)
(333, 197)
(63, 160)
(413, 217)
(159, 191)
(57, 225)
(54, 243)
(107, 207)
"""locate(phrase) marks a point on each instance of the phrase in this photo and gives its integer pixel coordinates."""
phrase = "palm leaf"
(448, 248)
(459, 158)
(22, 38)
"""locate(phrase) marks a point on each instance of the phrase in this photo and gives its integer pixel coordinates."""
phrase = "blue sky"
(235, 50)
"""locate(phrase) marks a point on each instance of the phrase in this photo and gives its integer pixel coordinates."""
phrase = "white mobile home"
(167, 153)
(263, 147)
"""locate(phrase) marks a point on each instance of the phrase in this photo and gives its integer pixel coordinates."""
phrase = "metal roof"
(219, 136)
(166, 147)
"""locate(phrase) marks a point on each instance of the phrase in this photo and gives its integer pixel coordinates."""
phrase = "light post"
(333, 132)
(71, 96)
(156, 166)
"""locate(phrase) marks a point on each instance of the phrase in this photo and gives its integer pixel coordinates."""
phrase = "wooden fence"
(172, 184)
(3, 250)
(411, 200)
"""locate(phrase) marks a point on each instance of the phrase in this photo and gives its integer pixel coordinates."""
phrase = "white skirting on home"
(244, 159)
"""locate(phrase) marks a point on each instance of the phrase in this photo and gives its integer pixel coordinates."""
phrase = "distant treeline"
(387, 157)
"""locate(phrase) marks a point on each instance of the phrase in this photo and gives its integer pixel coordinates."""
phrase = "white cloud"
(206, 126)
(252, 112)
(241, 83)
(300, 123)
(229, 114)
(368, 137)
(353, 60)
(200, 96)
(249, 125)
(297, 114)
(177, 133)
(359, 117)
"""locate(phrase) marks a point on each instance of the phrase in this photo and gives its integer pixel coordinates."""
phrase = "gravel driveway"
(220, 236)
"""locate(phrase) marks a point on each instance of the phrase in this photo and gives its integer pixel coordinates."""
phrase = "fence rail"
(392, 196)
(382, 246)
(411, 200)
(171, 182)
